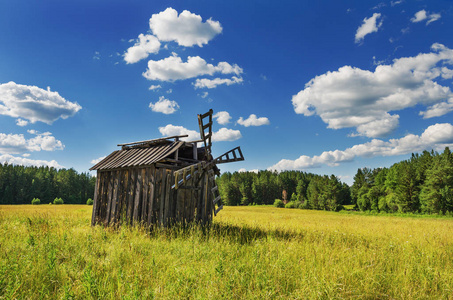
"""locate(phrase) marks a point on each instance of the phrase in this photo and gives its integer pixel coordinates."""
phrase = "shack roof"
(138, 155)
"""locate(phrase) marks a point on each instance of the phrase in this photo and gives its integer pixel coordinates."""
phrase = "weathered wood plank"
(144, 209)
(167, 207)
(130, 195)
(162, 196)
(138, 194)
(158, 193)
(122, 190)
(151, 200)
(113, 207)
(96, 201)
(109, 199)
(103, 204)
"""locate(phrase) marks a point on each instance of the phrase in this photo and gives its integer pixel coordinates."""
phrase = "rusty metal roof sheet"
(134, 157)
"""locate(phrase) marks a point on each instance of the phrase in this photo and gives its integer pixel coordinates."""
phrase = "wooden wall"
(144, 196)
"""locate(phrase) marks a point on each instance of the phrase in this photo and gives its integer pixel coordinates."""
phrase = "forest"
(19, 185)
(421, 184)
(310, 190)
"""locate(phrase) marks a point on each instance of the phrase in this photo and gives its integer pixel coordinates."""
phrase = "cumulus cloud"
(352, 97)
(164, 106)
(173, 68)
(97, 160)
(423, 15)
(223, 134)
(368, 26)
(252, 120)
(243, 170)
(213, 83)
(171, 130)
(436, 137)
(186, 29)
(154, 87)
(34, 104)
(17, 143)
(145, 45)
(14, 160)
(21, 123)
(226, 135)
(223, 117)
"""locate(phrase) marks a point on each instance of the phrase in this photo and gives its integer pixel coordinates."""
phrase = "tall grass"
(49, 252)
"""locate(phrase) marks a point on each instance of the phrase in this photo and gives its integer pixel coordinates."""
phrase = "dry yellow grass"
(52, 252)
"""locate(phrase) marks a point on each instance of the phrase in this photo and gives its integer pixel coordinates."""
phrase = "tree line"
(311, 190)
(19, 185)
(421, 184)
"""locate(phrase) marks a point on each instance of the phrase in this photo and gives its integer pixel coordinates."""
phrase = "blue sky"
(320, 86)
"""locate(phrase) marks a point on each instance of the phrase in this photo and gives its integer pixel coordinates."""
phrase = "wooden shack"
(160, 182)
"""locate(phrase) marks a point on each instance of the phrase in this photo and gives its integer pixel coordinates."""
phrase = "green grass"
(51, 252)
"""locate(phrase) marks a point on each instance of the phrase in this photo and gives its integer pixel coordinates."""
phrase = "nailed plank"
(130, 195)
(138, 194)
(162, 196)
(122, 196)
(151, 198)
(167, 200)
(103, 203)
(96, 201)
(109, 199)
(144, 209)
(114, 196)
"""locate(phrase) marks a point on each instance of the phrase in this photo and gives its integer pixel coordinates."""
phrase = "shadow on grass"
(233, 233)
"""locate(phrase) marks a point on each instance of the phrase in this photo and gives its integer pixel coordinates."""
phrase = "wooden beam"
(155, 140)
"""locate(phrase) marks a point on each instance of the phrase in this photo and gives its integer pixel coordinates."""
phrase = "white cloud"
(173, 68)
(171, 130)
(97, 160)
(14, 160)
(252, 120)
(145, 45)
(368, 26)
(419, 16)
(243, 170)
(352, 97)
(223, 117)
(213, 83)
(423, 15)
(433, 18)
(224, 135)
(164, 106)
(21, 123)
(187, 29)
(436, 137)
(154, 87)
(34, 104)
(204, 95)
(17, 143)
(393, 3)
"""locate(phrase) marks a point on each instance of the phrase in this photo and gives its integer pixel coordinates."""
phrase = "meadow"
(253, 252)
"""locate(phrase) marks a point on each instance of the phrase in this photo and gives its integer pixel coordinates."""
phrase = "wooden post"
(138, 194)
(114, 197)
(152, 181)
(144, 209)
(109, 198)
(162, 196)
(96, 201)
(130, 196)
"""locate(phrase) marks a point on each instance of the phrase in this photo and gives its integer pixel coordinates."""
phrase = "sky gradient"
(320, 86)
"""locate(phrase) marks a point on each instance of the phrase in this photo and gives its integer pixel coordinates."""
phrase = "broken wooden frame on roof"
(161, 181)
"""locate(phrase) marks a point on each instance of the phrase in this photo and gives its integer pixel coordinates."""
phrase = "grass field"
(51, 252)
